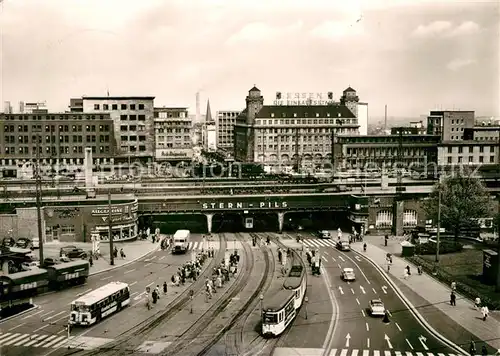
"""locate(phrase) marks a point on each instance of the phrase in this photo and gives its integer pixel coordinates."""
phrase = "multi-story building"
(225, 128)
(362, 115)
(7, 107)
(292, 133)
(30, 108)
(408, 130)
(173, 134)
(209, 131)
(133, 119)
(378, 152)
(62, 140)
(449, 125)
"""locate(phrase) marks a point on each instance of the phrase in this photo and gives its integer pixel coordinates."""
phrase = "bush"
(445, 247)
(465, 286)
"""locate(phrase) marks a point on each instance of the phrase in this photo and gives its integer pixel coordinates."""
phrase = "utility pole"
(38, 188)
(110, 232)
(438, 235)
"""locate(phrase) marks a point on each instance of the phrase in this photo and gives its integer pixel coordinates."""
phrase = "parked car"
(348, 274)
(376, 307)
(50, 261)
(343, 246)
(35, 243)
(72, 252)
(8, 242)
(24, 243)
(28, 266)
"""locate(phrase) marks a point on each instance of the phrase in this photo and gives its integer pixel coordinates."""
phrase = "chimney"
(198, 111)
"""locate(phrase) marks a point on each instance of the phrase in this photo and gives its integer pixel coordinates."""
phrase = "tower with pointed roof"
(255, 102)
(208, 115)
(350, 99)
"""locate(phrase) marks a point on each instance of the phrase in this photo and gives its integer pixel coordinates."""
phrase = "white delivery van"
(181, 241)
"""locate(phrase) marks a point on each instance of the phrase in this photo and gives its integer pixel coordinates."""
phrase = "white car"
(376, 307)
(35, 243)
(348, 274)
(28, 266)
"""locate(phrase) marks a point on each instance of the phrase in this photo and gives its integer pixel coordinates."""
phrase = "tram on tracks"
(281, 308)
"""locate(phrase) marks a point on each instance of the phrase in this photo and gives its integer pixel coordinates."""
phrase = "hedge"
(465, 286)
(445, 247)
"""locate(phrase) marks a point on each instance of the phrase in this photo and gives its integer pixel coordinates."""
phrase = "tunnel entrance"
(169, 224)
(328, 220)
(237, 222)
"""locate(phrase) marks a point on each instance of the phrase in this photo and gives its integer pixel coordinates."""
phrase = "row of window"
(471, 149)
(133, 117)
(25, 150)
(52, 128)
(124, 128)
(470, 159)
(160, 131)
(129, 149)
(169, 115)
(52, 139)
(326, 139)
(171, 138)
(308, 147)
(340, 131)
(52, 161)
(485, 138)
(54, 117)
(308, 122)
(106, 107)
(176, 145)
(132, 138)
(391, 152)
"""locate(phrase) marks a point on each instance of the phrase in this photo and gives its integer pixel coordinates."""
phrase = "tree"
(463, 200)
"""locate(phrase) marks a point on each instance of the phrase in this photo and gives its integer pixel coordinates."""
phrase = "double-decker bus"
(98, 304)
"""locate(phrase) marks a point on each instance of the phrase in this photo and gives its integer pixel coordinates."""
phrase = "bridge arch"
(383, 219)
(308, 157)
(273, 158)
(410, 218)
(318, 157)
(285, 158)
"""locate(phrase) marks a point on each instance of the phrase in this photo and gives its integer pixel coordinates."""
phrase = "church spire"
(208, 116)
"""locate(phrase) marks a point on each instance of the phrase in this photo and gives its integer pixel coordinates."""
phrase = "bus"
(98, 304)
(181, 241)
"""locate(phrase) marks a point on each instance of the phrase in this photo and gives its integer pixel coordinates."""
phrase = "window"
(114, 107)
(96, 106)
(481, 159)
(132, 106)
(142, 117)
(481, 149)
(123, 106)
(449, 160)
(123, 128)
(492, 159)
(471, 159)
(123, 117)
(105, 107)
(449, 149)
(141, 106)
(460, 149)
(132, 117)
(471, 149)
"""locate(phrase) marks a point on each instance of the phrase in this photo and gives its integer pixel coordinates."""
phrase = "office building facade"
(173, 134)
(225, 128)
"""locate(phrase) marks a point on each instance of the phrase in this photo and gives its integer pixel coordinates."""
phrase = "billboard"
(173, 153)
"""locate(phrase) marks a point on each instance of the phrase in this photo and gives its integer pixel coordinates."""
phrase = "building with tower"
(209, 131)
(293, 134)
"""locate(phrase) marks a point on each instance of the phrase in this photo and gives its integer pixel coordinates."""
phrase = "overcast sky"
(413, 55)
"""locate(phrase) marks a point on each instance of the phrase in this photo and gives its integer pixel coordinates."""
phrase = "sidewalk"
(134, 250)
(433, 291)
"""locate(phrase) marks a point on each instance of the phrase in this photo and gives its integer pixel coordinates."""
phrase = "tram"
(282, 308)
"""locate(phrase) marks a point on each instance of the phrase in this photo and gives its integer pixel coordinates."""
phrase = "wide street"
(42, 330)
(355, 329)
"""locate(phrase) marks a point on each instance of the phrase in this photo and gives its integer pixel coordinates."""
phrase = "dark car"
(50, 261)
(24, 243)
(72, 252)
(8, 242)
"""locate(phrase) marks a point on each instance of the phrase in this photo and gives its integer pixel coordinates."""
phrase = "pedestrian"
(453, 285)
(477, 303)
(472, 347)
(165, 287)
(157, 289)
(405, 275)
(484, 350)
(453, 299)
(408, 269)
(419, 269)
(122, 253)
(485, 312)
(155, 296)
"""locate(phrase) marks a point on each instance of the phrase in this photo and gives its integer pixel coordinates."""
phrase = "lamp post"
(306, 300)
(261, 298)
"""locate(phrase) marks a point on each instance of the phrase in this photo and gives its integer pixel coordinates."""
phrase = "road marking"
(152, 258)
(37, 339)
(344, 352)
(105, 278)
(82, 293)
(60, 331)
(352, 290)
(161, 258)
(50, 312)
(148, 264)
(387, 353)
(388, 312)
(150, 284)
(376, 353)
(29, 316)
(367, 345)
(384, 289)
(17, 326)
(411, 346)
(132, 294)
(399, 353)
(131, 284)
(341, 290)
(354, 352)
(367, 327)
(129, 271)
(364, 275)
(53, 316)
(45, 340)
(357, 258)
(339, 265)
(397, 325)
(64, 317)
(16, 339)
(341, 259)
(363, 312)
(334, 260)
(362, 289)
(8, 336)
(357, 301)
(56, 340)
(374, 291)
(22, 340)
(324, 258)
(326, 253)
(408, 353)
(43, 327)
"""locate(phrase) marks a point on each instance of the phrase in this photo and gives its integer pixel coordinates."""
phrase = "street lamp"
(261, 298)
(306, 300)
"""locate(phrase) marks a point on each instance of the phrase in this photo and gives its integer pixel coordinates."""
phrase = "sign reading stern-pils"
(244, 205)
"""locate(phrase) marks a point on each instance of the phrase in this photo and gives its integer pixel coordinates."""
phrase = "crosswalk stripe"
(60, 344)
(408, 353)
(420, 354)
(25, 339)
(2, 336)
(195, 245)
(387, 353)
(16, 339)
(398, 353)
(45, 340)
(37, 339)
(366, 352)
(190, 245)
(9, 337)
(354, 352)
(333, 352)
(56, 340)
(343, 352)
(441, 354)
(376, 353)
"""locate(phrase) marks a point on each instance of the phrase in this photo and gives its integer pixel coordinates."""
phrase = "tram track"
(127, 342)
(206, 332)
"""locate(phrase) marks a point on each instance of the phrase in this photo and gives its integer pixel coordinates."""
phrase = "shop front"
(77, 223)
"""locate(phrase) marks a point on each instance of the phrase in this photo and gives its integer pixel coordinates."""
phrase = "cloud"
(459, 63)
(260, 31)
(335, 30)
(433, 29)
(446, 29)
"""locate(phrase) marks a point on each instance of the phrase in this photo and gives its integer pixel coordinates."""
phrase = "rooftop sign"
(291, 98)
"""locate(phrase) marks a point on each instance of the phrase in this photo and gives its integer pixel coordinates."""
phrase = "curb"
(34, 306)
(413, 310)
(156, 248)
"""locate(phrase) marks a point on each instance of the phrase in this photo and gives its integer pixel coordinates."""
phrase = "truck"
(181, 241)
